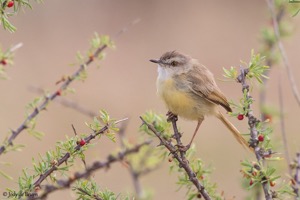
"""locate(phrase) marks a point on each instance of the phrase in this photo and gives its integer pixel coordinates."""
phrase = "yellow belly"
(178, 101)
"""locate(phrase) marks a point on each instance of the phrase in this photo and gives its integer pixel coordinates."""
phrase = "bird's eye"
(174, 63)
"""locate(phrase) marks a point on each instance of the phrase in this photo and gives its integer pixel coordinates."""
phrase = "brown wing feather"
(218, 98)
(203, 84)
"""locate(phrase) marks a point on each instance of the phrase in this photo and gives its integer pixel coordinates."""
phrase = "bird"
(189, 90)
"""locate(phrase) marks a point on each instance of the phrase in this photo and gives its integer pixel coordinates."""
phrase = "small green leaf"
(5, 175)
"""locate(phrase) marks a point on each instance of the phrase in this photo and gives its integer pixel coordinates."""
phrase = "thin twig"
(85, 192)
(282, 126)
(63, 184)
(134, 175)
(67, 103)
(15, 47)
(180, 157)
(64, 158)
(252, 121)
(127, 27)
(282, 51)
(74, 130)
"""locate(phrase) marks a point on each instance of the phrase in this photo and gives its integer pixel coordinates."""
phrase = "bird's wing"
(206, 87)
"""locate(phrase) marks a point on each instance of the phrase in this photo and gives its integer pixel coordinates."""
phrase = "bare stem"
(282, 126)
(269, 62)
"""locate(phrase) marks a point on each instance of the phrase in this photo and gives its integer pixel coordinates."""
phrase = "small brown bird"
(190, 91)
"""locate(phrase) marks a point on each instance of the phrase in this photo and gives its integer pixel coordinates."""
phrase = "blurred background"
(218, 33)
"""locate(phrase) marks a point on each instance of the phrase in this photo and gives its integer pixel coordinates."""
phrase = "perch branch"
(180, 157)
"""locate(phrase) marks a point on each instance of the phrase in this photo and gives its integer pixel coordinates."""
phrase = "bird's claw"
(171, 116)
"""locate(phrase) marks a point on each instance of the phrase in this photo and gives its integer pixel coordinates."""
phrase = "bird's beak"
(155, 61)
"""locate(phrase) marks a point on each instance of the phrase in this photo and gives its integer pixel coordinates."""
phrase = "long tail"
(234, 131)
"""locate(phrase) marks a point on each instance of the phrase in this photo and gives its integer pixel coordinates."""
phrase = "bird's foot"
(171, 117)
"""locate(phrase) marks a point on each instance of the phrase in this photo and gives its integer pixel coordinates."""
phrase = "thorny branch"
(179, 156)
(252, 121)
(65, 158)
(67, 103)
(62, 184)
(48, 99)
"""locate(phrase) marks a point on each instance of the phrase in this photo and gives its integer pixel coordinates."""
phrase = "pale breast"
(181, 102)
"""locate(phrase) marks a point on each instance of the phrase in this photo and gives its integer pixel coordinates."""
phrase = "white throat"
(163, 73)
(166, 72)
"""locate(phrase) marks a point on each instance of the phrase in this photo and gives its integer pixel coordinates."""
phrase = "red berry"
(272, 183)
(59, 92)
(268, 117)
(261, 138)
(3, 62)
(251, 182)
(240, 117)
(293, 182)
(82, 142)
(254, 173)
(91, 57)
(268, 156)
(10, 4)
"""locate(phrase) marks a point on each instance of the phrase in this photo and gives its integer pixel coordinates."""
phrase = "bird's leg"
(185, 148)
(171, 116)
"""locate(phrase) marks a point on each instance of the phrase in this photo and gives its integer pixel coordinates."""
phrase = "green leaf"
(5, 175)
(111, 136)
